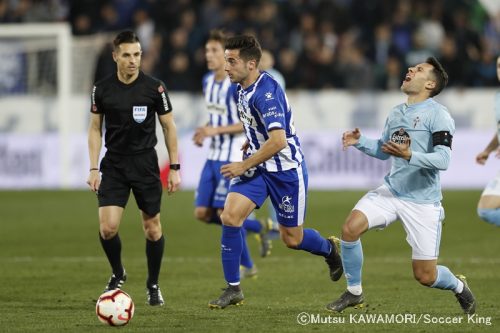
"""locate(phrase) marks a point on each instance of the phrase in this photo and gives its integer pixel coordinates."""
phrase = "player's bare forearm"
(209, 131)
(230, 129)
(275, 143)
(492, 145)
(482, 157)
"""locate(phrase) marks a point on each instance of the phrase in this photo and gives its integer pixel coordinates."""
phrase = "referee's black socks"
(113, 249)
(154, 254)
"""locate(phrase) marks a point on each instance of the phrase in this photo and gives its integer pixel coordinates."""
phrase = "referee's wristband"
(175, 166)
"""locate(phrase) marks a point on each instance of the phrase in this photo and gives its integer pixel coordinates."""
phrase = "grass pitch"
(52, 269)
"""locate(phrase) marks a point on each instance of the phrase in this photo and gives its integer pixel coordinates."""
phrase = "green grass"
(52, 270)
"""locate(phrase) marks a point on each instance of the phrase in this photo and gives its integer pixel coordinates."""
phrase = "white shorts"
(493, 187)
(422, 222)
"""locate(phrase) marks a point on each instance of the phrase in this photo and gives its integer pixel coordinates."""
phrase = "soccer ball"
(115, 308)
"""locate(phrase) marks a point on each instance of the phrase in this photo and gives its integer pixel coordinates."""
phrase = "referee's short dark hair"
(248, 45)
(127, 36)
(440, 75)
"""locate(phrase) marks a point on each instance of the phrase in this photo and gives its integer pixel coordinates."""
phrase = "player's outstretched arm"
(493, 145)
(208, 131)
(170, 135)
(350, 138)
(94, 143)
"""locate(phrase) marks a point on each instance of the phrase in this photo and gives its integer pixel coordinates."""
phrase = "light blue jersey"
(263, 107)
(497, 113)
(416, 180)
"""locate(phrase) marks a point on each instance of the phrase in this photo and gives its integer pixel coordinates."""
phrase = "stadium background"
(343, 62)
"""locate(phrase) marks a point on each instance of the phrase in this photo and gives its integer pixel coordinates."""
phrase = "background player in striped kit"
(274, 166)
(488, 207)
(226, 138)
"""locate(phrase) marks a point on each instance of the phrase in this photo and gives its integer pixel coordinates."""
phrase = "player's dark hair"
(123, 37)
(440, 75)
(218, 36)
(249, 47)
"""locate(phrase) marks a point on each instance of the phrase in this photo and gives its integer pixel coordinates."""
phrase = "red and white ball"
(115, 308)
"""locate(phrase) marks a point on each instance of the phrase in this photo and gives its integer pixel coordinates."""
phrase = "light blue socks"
(490, 215)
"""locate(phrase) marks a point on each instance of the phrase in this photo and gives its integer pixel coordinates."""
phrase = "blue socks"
(445, 279)
(314, 243)
(490, 215)
(245, 259)
(231, 248)
(352, 261)
(252, 225)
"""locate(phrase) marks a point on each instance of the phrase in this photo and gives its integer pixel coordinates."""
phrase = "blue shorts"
(287, 190)
(213, 187)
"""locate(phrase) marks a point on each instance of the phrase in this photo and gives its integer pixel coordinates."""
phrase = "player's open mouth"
(407, 78)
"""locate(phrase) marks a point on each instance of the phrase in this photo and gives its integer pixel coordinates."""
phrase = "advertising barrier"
(33, 161)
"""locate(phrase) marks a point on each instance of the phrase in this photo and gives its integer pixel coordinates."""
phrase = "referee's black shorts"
(139, 173)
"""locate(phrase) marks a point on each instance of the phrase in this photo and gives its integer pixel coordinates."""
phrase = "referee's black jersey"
(130, 111)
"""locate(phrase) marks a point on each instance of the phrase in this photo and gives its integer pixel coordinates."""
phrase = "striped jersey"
(262, 107)
(221, 107)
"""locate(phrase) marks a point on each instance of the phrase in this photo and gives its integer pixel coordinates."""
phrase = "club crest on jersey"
(416, 121)
(400, 136)
(286, 204)
(139, 113)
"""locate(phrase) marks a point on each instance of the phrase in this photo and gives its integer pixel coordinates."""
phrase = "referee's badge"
(139, 113)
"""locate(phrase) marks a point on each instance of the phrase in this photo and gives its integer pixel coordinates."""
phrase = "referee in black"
(127, 102)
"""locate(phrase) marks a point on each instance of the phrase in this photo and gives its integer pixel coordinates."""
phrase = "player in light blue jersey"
(488, 207)
(274, 167)
(226, 138)
(417, 136)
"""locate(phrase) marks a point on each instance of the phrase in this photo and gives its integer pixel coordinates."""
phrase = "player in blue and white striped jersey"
(226, 138)
(274, 166)
(418, 137)
(488, 207)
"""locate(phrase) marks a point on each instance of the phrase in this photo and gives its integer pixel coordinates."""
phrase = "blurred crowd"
(353, 44)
